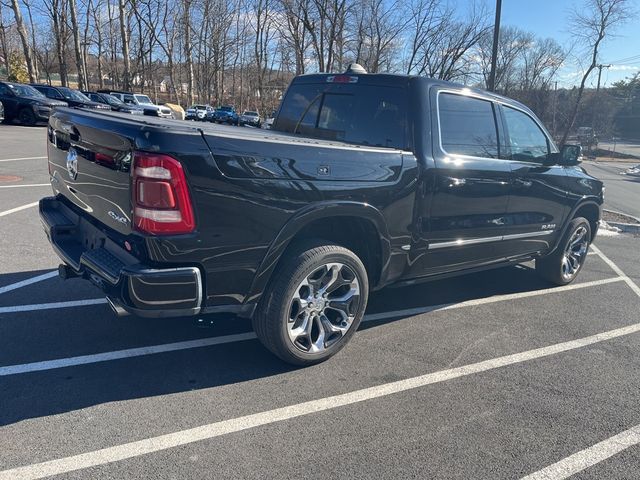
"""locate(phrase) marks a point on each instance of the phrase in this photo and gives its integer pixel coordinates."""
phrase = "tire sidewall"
(282, 311)
(26, 117)
(573, 226)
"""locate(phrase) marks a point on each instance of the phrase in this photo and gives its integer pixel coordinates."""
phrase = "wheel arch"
(331, 221)
(589, 209)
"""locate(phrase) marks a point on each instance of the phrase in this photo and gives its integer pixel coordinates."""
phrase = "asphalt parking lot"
(492, 375)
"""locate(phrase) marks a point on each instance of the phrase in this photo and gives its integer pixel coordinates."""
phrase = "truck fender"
(304, 217)
(582, 203)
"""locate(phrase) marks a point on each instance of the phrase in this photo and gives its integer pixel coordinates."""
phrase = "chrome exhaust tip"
(117, 308)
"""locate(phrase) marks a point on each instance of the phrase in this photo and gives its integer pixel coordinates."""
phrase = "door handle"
(457, 182)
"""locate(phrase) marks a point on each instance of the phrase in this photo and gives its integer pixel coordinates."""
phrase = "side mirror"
(571, 155)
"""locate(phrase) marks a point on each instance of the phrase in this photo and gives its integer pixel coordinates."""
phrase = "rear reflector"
(162, 205)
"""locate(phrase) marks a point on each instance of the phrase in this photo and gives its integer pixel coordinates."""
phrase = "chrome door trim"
(473, 241)
(526, 235)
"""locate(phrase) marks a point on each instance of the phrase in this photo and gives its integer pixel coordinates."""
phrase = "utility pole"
(491, 85)
(555, 105)
(600, 67)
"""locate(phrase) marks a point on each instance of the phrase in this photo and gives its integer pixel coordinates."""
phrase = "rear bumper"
(129, 285)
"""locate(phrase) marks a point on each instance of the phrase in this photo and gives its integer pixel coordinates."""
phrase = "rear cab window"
(362, 114)
(468, 126)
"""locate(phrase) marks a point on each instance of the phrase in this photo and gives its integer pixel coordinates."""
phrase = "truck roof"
(395, 79)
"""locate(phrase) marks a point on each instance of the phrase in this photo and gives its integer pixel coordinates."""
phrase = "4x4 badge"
(72, 163)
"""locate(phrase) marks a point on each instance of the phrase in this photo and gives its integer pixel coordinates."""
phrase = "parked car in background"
(224, 114)
(587, 137)
(115, 104)
(198, 112)
(26, 104)
(74, 98)
(177, 112)
(143, 101)
(634, 171)
(250, 118)
(268, 122)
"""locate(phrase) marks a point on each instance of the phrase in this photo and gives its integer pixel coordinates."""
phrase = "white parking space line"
(209, 341)
(17, 209)
(28, 281)
(22, 158)
(589, 456)
(617, 269)
(49, 306)
(120, 354)
(217, 429)
(27, 185)
(495, 298)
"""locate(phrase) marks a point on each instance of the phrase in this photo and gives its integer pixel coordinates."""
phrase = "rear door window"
(360, 114)
(467, 126)
(51, 93)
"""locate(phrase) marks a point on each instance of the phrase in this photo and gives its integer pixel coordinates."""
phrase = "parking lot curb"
(625, 227)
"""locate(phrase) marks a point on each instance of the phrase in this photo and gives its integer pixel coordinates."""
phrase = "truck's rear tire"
(314, 303)
(563, 265)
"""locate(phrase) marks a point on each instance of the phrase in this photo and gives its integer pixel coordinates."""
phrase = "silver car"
(250, 118)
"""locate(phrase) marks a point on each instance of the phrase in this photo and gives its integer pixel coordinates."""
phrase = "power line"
(632, 58)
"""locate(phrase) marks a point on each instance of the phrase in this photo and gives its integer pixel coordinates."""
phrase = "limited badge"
(72, 163)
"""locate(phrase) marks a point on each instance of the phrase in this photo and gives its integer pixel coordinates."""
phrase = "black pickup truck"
(364, 181)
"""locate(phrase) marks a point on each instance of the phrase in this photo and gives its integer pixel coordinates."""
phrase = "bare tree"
(378, 27)
(294, 32)
(32, 32)
(124, 33)
(324, 20)
(440, 42)
(512, 47)
(24, 37)
(77, 48)
(592, 23)
(4, 47)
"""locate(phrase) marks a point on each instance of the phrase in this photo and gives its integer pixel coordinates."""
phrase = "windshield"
(25, 90)
(198, 107)
(144, 99)
(111, 100)
(251, 114)
(226, 109)
(70, 94)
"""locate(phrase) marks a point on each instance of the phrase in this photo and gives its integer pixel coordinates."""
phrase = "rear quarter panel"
(259, 184)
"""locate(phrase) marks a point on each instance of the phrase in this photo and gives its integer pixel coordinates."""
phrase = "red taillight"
(161, 201)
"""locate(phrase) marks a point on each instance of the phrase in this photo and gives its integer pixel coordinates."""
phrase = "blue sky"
(549, 18)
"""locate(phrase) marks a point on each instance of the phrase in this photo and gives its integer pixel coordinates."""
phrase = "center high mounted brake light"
(160, 196)
(342, 79)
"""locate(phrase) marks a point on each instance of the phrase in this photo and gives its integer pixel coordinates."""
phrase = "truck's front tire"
(27, 117)
(563, 265)
(314, 303)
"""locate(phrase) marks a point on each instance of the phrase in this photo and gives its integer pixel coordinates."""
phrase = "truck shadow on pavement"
(44, 393)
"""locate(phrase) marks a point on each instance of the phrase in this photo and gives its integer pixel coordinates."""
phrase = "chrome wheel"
(575, 253)
(323, 307)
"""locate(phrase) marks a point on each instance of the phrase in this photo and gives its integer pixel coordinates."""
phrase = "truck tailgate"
(90, 159)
